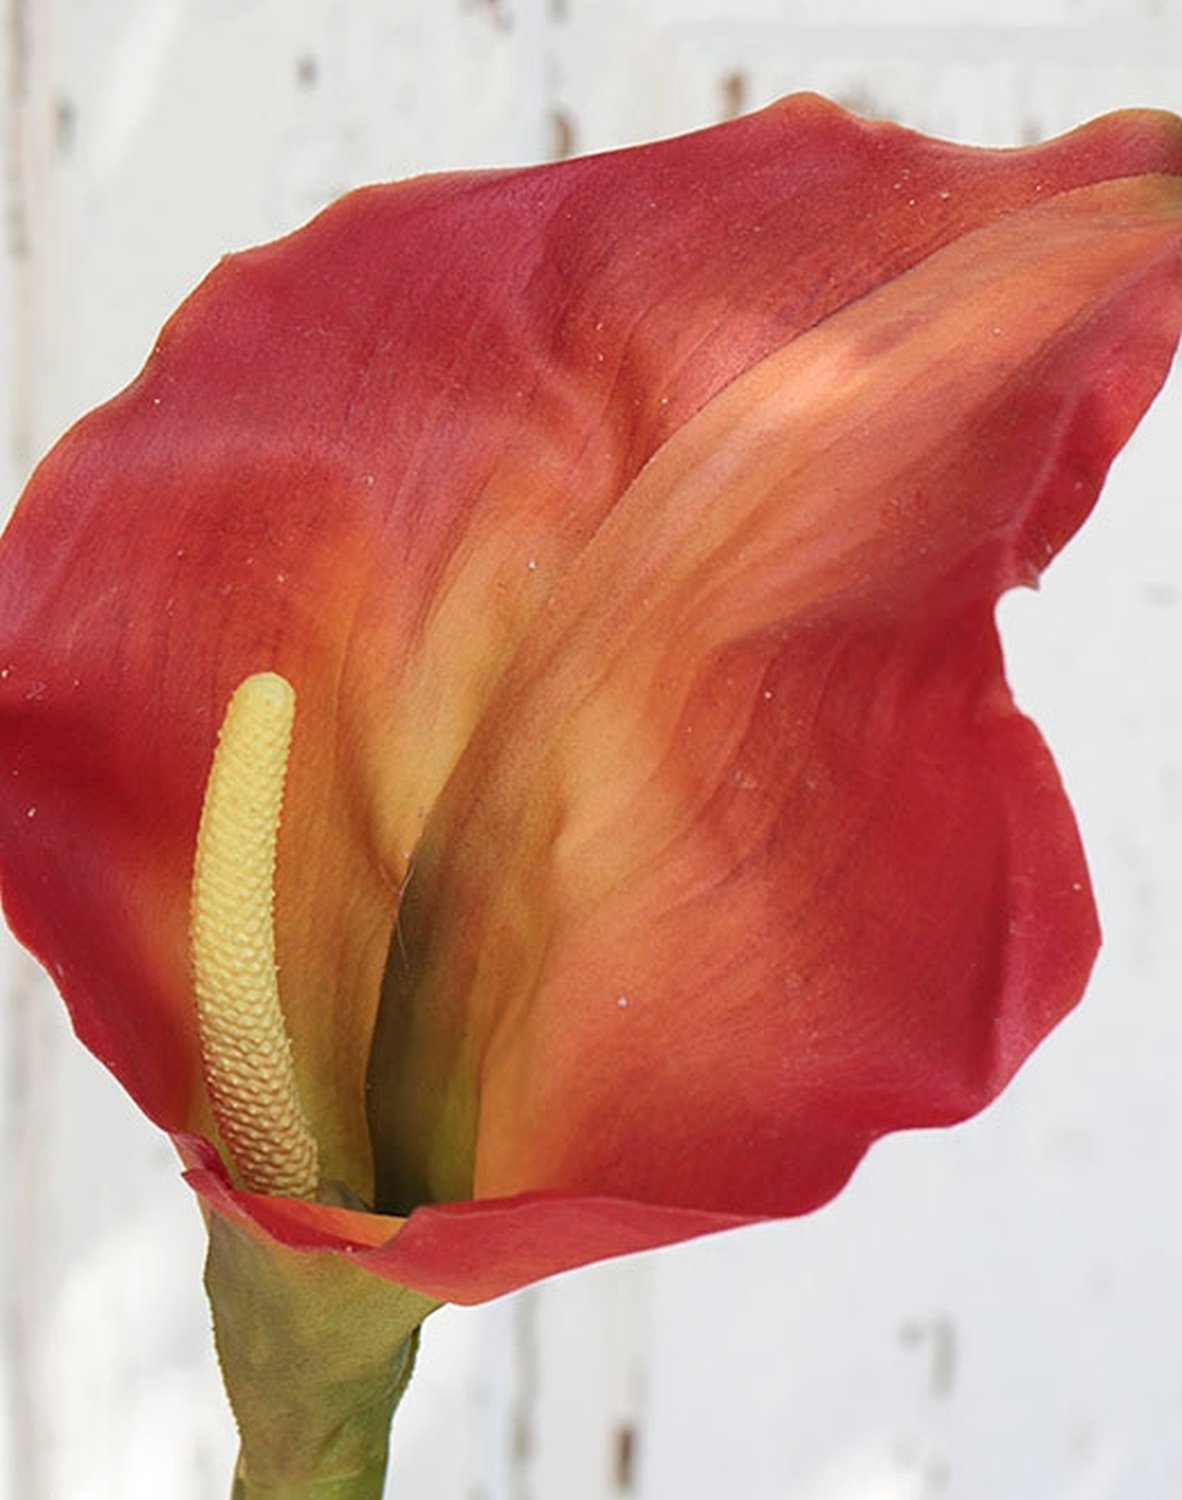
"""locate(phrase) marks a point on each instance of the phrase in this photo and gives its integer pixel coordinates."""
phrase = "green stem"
(369, 1485)
(316, 1354)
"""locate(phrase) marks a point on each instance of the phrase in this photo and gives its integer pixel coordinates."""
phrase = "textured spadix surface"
(659, 829)
(245, 1049)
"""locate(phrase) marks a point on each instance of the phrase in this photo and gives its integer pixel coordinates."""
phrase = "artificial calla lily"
(658, 829)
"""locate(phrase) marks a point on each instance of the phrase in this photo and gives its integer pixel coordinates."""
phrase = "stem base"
(316, 1354)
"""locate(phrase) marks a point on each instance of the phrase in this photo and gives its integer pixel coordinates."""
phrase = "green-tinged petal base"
(315, 1354)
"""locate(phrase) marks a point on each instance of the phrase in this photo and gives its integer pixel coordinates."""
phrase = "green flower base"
(316, 1354)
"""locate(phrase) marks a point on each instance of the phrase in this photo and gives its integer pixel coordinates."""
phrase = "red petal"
(348, 447)
(752, 859)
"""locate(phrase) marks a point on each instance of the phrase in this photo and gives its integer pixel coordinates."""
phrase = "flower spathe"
(658, 828)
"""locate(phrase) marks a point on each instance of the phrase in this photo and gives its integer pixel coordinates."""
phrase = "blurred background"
(991, 1311)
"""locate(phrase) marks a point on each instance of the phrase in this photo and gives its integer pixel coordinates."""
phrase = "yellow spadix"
(245, 1047)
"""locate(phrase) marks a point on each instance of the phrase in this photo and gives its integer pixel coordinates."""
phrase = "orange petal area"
(752, 858)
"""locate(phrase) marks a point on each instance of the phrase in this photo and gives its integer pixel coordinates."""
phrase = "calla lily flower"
(657, 827)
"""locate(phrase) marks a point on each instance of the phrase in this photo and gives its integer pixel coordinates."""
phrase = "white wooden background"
(990, 1312)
